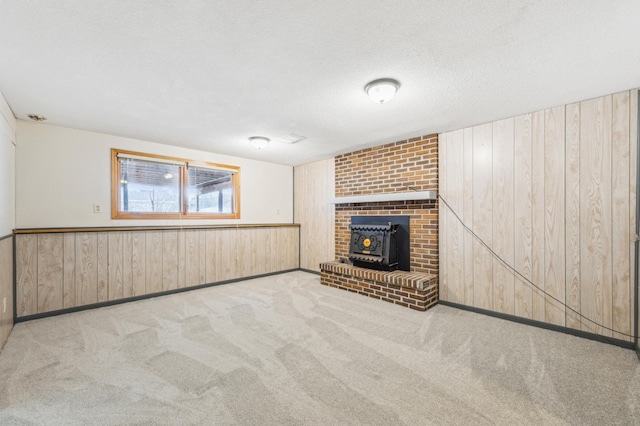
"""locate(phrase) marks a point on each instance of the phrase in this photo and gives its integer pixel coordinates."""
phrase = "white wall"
(62, 172)
(7, 168)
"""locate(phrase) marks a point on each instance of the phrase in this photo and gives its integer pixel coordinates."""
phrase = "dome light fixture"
(260, 142)
(382, 90)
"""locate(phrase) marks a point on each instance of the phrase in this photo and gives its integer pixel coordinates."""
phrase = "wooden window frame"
(184, 185)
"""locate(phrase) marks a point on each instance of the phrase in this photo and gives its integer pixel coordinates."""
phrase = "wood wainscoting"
(552, 194)
(6, 288)
(62, 269)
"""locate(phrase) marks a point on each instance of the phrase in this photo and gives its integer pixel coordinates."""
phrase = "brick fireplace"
(400, 167)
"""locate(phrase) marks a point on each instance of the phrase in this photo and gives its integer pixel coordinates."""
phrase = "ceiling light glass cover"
(382, 90)
(260, 142)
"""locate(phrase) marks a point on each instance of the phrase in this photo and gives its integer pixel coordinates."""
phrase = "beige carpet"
(285, 350)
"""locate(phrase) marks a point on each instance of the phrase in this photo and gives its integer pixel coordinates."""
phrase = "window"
(146, 186)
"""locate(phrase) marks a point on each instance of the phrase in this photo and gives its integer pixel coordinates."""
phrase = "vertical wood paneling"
(554, 217)
(572, 222)
(468, 239)
(103, 267)
(633, 155)
(573, 170)
(272, 246)
(116, 266)
(443, 270)
(86, 268)
(314, 186)
(56, 271)
(226, 255)
(27, 274)
(127, 264)
(523, 224)
(169, 260)
(153, 261)
(483, 215)
(202, 256)
(258, 252)
(454, 237)
(621, 228)
(595, 218)
(182, 259)
(503, 215)
(537, 214)
(192, 259)
(6, 289)
(69, 281)
(139, 263)
(216, 256)
(50, 272)
(245, 259)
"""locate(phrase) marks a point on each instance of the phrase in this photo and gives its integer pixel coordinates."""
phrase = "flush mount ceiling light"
(36, 117)
(382, 90)
(260, 142)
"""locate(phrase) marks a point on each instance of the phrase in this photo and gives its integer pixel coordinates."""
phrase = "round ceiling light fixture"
(382, 90)
(260, 142)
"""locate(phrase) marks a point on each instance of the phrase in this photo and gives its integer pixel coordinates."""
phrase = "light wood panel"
(314, 186)
(621, 227)
(69, 284)
(27, 275)
(103, 265)
(86, 268)
(595, 206)
(503, 213)
(153, 258)
(443, 272)
(537, 214)
(633, 155)
(56, 271)
(116, 265)
(6, 289)
(523, 230)
(50, 272)
(467, 217)
(482, 215)
(453, 146)
(554, 215)
(572, 222)
(169, 260)
(552, 193)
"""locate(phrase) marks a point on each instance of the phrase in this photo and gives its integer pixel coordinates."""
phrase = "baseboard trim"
(540, 324)
(309, 271)
(142, 297)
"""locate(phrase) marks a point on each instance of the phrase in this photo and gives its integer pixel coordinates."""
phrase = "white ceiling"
(208, 74)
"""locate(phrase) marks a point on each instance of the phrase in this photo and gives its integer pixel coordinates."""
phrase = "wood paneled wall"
(6, 289)
(553, 194)
(65, 270)
(314, 186)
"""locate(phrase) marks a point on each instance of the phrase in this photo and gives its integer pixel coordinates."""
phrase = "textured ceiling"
(208, 74)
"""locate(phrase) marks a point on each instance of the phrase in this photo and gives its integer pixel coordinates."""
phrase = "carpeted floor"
(285, 350)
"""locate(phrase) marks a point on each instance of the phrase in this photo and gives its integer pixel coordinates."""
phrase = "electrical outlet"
(97, 208)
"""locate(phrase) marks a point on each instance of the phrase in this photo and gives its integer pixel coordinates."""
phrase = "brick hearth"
(413, 290)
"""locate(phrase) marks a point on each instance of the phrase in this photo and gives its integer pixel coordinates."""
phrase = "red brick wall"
(403, 166)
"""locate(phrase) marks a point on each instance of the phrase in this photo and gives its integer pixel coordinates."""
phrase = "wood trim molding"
(149, 228)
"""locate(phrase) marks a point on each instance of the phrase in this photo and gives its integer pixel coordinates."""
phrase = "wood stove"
(374, 246)
(388, 250)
